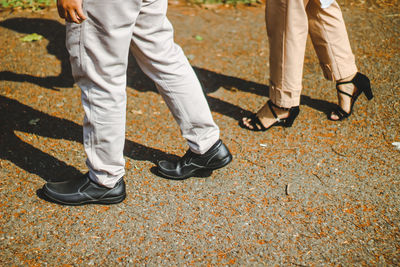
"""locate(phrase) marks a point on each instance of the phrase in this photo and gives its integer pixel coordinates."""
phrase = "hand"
(71, 10)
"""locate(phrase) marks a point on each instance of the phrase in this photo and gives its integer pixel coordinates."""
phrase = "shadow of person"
(318, 104)
(210, 81)
(15, 116)
(54, 32)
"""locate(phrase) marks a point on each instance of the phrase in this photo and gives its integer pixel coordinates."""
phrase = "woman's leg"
(287, 28)
(329, 37)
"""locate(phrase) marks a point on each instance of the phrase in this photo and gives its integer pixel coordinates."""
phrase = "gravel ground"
(319, 193)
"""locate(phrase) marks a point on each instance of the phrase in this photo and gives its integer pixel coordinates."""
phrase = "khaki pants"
(99, 50)
(288, 24)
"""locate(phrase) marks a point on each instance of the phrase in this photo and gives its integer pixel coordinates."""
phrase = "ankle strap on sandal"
(275, 105)
(356, 76)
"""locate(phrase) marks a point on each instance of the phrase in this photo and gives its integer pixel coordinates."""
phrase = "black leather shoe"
(216, 157)
(83, 190)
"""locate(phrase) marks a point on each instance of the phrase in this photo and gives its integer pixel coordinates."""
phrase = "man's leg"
(99, 49)
(99, 57)
(165, 63)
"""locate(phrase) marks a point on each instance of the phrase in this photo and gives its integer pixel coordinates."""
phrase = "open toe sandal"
(257, 125)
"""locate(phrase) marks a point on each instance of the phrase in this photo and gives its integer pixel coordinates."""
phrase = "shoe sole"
(104, 201)
(224, 162)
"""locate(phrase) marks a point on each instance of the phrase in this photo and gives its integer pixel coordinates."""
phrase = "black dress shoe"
(84, 191)
(216, 157)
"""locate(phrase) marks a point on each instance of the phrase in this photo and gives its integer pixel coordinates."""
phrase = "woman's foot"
(348, 92)
(270, 115)
(344, 101)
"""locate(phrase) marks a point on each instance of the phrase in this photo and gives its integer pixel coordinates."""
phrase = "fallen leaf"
(34, 121)
(31, 37)
(137, 111)
(198, 38)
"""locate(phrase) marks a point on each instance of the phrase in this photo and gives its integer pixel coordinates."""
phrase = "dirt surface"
(318, 193)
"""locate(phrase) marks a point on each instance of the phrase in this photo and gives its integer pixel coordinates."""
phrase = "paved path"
(319, 193)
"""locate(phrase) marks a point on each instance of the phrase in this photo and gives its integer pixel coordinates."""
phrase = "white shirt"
(326, 3)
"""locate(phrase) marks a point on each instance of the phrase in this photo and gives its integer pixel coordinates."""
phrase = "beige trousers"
(99, 50)
(288, 24)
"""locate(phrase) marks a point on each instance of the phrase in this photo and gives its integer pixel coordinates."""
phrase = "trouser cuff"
(339, 74)
(284, 98)
(104, 179)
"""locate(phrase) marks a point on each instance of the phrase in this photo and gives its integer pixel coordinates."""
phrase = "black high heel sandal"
(363, 85)
(286, 122)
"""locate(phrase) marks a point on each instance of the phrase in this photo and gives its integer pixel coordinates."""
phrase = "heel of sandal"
(363, 83)
(368, 93)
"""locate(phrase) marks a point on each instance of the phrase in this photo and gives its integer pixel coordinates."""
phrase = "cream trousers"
(288, 24)
(99, 49)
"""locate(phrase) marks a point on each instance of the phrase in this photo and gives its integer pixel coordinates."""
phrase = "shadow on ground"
(19, 117)
(54, 32)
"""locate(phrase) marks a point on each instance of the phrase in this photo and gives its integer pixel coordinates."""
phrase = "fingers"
(73, 17)
(76, 15)
(80, 14)
(71, 10)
